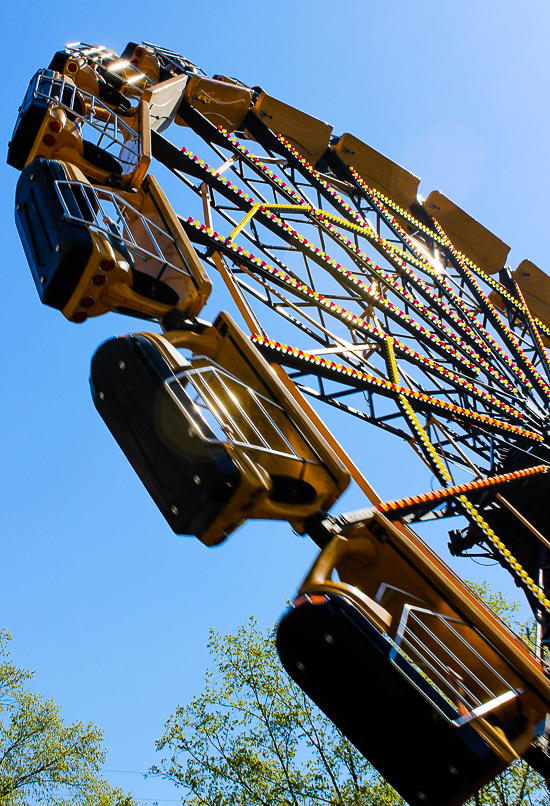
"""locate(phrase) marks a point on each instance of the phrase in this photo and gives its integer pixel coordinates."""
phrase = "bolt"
(421, 796)
(43, 280)
(453, 770)
(300, 666)
(101, 396)
(17, 206)
(57, 248)
(175, 510)
(328, 638)
(197, 479)
(122, 365)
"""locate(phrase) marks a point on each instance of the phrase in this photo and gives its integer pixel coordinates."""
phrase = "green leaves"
(519, 785)
(253, 738)
(40, 757)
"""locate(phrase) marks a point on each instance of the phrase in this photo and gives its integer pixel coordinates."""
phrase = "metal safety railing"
(233, 412)
(104, 211)
(457, 670)
(178, 61)
(103, 127)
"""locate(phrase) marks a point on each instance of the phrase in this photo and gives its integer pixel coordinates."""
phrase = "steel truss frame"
(350, 277)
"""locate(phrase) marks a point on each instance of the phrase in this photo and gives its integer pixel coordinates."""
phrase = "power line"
(152, 800)
(136, 797)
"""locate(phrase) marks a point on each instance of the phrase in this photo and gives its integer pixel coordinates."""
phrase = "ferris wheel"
(355, 292)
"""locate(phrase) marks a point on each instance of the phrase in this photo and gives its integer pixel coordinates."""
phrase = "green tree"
(252, 738)
(41, 759)
(519, 785)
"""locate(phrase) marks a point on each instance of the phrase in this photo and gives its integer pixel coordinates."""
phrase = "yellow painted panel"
(470, 237)
(309, 136)
(535, 287)
(377, 170)
(222, 103)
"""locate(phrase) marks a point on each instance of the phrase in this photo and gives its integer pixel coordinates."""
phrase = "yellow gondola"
(397, 636)
(59, 121)
(92, 250)
(215, 438)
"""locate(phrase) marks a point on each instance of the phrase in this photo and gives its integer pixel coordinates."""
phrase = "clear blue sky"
(109, 607)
